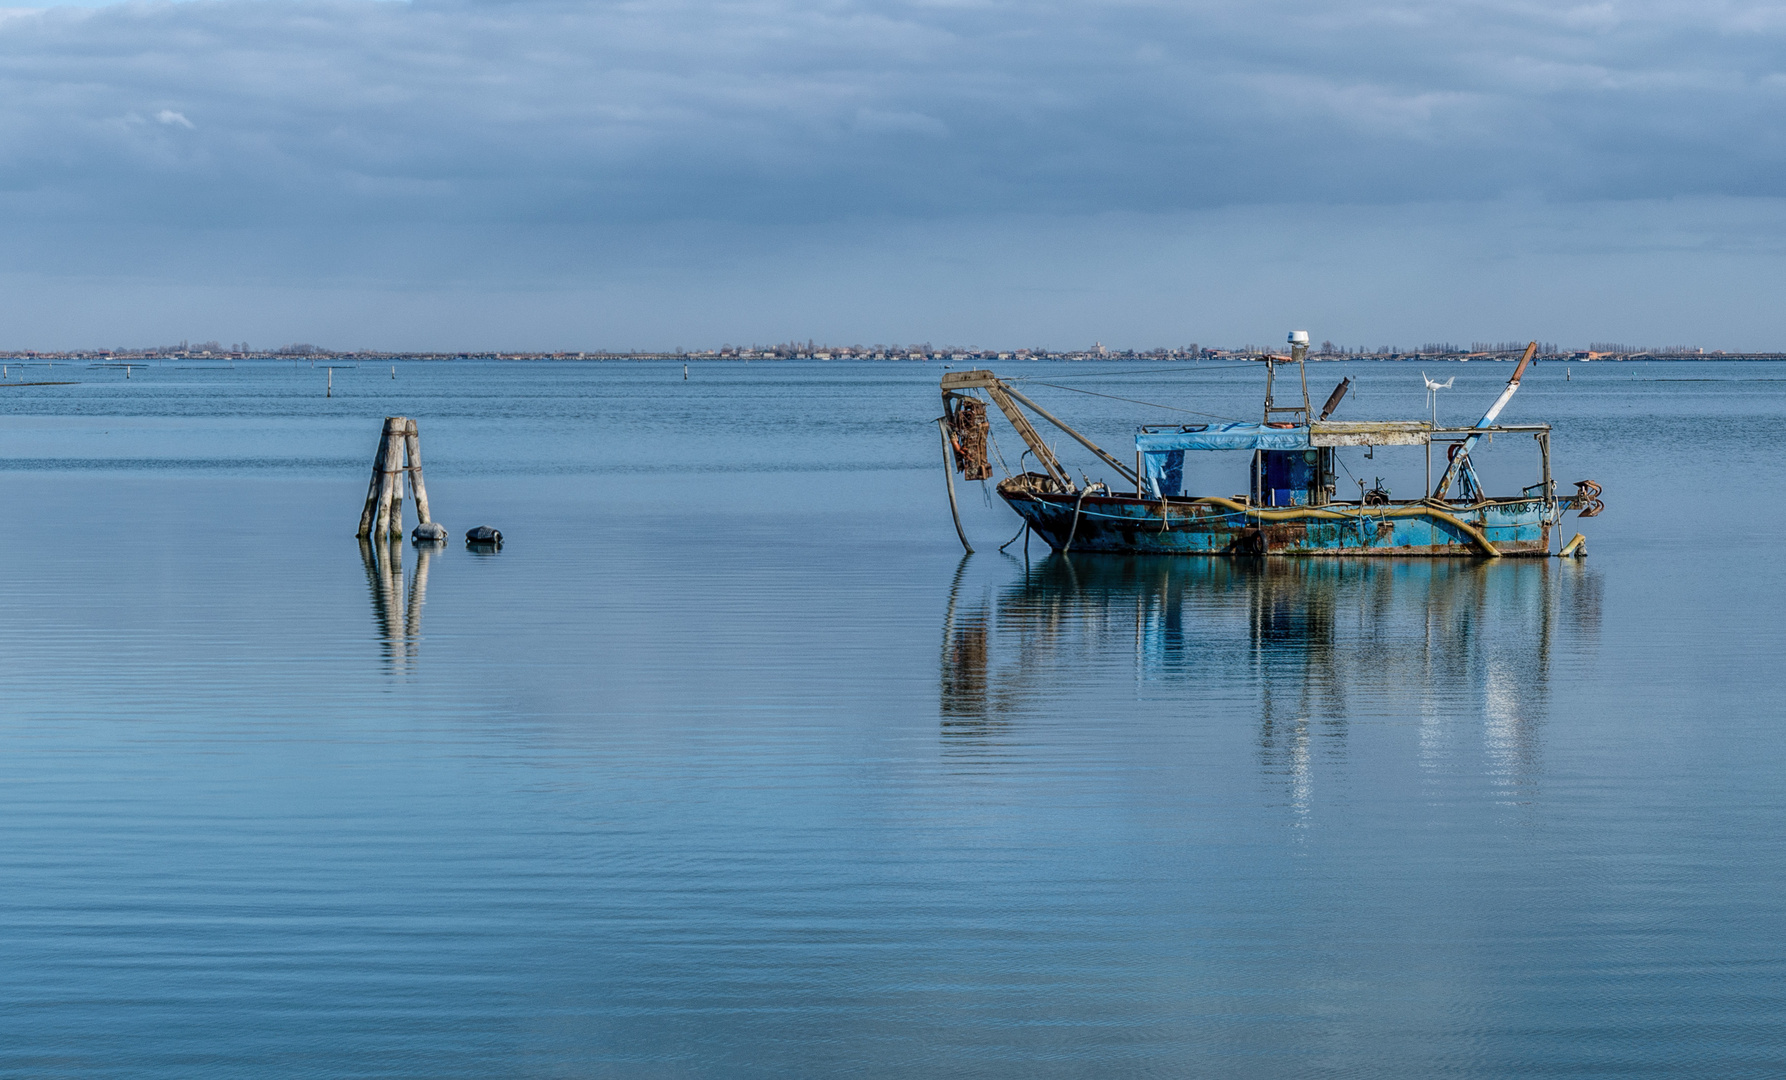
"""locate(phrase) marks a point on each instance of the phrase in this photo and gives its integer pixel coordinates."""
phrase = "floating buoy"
(483, 536)
(429, 532)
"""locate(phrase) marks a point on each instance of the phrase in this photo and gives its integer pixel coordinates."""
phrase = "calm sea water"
(730, 764)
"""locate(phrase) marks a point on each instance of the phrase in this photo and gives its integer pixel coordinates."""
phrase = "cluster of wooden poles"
(399, 456)
(398, 610)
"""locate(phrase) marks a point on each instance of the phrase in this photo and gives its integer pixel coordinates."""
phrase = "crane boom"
(1461, 460)
(1007, 397)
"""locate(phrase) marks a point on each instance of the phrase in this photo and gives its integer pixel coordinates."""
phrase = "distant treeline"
(812, 349)
(216, 348)
(1440, 348)
(1648, 350)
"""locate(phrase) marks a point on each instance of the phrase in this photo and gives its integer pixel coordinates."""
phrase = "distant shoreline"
(26, 358)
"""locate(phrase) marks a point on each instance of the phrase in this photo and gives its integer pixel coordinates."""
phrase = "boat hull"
(1125, 524)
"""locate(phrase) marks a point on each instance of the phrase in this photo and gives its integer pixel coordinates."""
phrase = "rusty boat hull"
(1129, 525)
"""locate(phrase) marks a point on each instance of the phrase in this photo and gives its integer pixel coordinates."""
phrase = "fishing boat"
(1291, 506)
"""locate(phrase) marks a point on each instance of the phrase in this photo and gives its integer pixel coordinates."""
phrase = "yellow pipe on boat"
(1289, 514)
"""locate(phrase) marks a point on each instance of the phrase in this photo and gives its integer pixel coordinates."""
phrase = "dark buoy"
(483, 538)
(429, 532)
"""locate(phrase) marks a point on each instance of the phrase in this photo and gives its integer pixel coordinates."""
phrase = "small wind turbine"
(1432, 394)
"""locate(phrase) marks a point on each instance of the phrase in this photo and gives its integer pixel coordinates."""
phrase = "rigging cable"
(1138, 401)
(1214, 366)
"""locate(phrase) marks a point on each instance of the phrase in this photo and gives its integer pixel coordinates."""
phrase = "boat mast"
(1298, 353)
(1299, 414)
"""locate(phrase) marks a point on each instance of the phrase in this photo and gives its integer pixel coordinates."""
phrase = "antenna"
(1298, 344)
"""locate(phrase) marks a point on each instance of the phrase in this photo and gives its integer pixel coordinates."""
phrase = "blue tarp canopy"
(1236, 436)
(1162, 452)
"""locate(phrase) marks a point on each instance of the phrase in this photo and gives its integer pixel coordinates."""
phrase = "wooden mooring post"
(382, 516)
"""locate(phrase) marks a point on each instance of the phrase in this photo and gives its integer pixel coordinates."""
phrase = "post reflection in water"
(1310, 647)
(397, 606)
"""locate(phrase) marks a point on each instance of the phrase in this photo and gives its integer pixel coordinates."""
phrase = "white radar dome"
(1299, 337)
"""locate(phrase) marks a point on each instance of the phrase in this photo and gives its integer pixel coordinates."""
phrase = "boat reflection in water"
(396, 604)
(1465, 650)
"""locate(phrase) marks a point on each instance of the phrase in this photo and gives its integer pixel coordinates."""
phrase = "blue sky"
(691, 173)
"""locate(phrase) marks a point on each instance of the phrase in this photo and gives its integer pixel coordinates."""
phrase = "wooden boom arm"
(1002, 395)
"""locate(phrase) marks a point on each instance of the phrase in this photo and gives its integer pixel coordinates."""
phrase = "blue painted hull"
(1127, 525)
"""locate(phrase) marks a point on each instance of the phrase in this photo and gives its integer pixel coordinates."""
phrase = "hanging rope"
(1014, 538)
(1089, 488)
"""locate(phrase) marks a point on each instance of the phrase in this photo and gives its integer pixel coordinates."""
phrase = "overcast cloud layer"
(586, 175)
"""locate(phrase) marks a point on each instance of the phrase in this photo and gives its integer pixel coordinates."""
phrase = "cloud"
(1701, 272)
(756, 109)
(521, 133)
(880, 122)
